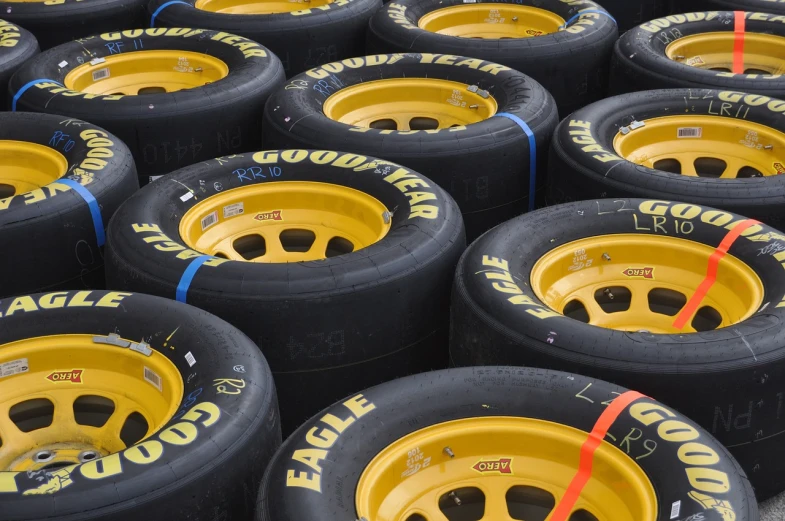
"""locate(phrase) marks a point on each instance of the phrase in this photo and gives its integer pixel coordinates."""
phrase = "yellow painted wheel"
(258, 6)
(410, 104)
(704, 146)
(497, 21)
(285, 222)
(763, 53)
(641, 282)
(25, 166)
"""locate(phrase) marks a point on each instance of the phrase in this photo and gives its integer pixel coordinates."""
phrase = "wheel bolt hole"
(44, 456)
(87, 455)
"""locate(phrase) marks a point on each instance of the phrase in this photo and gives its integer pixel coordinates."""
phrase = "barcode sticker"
(14, 367)
(209, 220)
(695, 132)
(233, 209)
(100, 74)
(675, 509)
(153, 378)
(190, 359)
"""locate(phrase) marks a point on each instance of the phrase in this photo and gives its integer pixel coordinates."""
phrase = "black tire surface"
(55, 22)
(629, 14)
(388, 412)
(728, 380)
(578, 174)
(328, 327)
(212, 476)
(304, 40)
(758, 6)
(484, 166)
(16, 47)
(169, 130)
(572, 64)
(48, 233)
(639, 61)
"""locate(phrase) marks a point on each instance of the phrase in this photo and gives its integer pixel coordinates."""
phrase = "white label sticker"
(675, 509)
(209, 220)
(695, 132)
(190, 359)
(153, 378)
(14, 367)
(233, 209)
(100, 74)
(186, 196)
(62, 64)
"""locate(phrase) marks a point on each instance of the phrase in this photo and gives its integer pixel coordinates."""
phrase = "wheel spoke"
(15, 441)
(732, 170)
(495, 490)
(688, 165)
(109, 433)
(596, 314)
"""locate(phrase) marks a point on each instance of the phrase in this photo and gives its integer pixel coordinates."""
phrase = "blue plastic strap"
(579, 13)
(92, 204)
(25, 88)
(188, 276)
(167, 4)
(532, 153)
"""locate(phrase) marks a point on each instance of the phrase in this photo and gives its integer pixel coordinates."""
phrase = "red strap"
(711, 273)
(604, 422)
(738, 43)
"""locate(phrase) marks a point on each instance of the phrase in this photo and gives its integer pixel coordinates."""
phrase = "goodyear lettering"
(162, 242)
(444, 59)
(580, 132)
(505, 284)
(249, 48)
(61, 299)
(697, 457)
(307, 472)
(54, 88)
(161, 31)
(663, 23)
(9, 34)
(408, 182)
(752, 100)
(326, 7)
(397, 13)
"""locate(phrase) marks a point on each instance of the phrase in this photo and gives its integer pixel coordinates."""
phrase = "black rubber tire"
(639, 61)
(629, 14)
(757, 6)
(572, 66)
(329, 327)
(386, 413)
(575, 174)
(729, 380)
(16, 47)
(50, 230)
(214, 474)
(485, 166)
(169, 130)
(55, 22)
(302, 41)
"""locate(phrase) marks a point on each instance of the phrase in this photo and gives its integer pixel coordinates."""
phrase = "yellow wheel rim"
(25, 166)
(289, 221)
(501, 469)
(704, 146)
(80, 398)
(410, 104)
(259, 6)
(146, 72)
(634, 282)
(491, 21)
(763, 53)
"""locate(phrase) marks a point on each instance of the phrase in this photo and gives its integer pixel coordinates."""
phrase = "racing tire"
(356, 262)
(614, 289)
(50, 166)
(756, 6)
(302, 39)
(54, 22)
(673, 52)
(489, 440)
(572, 64)
(484, 162)
(227, 80)
(679, 146)
(174, 410)
(16, 46)
(630, 14)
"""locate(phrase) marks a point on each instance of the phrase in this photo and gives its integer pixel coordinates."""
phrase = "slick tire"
(459, 433)
(641, 56)
(353, 319)
(722, 368)
(189, 399)
(218, 115)
(302, 39)
(630, 14)
(483, 162)
(588, 152)
(572, 64)
(55, 22)
(52, 237)
(16, 47)
(756, 6)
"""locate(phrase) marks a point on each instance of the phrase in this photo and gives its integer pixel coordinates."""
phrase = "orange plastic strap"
(564, 508)
(738, 43)
(711, 273)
